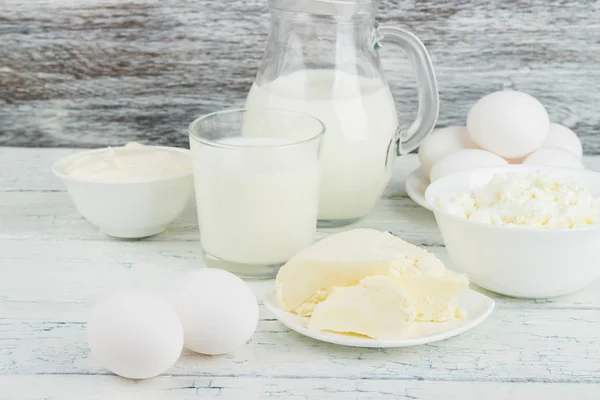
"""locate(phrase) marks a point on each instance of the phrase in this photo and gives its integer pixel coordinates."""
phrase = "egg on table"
(217, 309)
(135, 335)
(509, 123)
(441, 143)
(563, 137)
(464, 160)
(553, 157)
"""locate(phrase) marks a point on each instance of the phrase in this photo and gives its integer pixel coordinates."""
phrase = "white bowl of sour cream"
(521, 231)
(132, 191)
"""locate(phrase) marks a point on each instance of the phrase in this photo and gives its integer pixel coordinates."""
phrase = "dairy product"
(434, 292)
(257, 202)
(134, 161)
(346, 258)
(361, 122)
(376, 307)
(538, 200)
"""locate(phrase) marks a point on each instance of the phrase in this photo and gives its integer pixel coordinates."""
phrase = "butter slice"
(377, 307)
(346, 258)
(434, 292)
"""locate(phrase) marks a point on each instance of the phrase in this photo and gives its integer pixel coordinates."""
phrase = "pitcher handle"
(429, 101)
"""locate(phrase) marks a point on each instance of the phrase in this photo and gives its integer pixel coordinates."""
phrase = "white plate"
(478, 308)
(416, 184)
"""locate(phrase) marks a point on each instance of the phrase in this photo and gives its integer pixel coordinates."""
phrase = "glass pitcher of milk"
(322, 59)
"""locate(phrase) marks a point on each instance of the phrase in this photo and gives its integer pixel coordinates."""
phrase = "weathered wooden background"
(99, 72)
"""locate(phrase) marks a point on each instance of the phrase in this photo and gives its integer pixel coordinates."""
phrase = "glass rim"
(215, 143)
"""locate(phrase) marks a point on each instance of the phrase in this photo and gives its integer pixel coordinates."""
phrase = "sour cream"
(134, 161)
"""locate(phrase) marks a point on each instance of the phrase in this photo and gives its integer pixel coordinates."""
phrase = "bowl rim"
(506, 169)
(58, 165)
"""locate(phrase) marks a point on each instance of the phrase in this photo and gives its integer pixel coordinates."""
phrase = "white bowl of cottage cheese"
(132, 191)
(521, 231)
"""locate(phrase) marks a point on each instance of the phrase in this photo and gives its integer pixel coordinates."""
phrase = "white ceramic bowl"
(128, 209)
(518, 261)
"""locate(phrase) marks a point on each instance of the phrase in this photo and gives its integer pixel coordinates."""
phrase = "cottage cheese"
(539, 199)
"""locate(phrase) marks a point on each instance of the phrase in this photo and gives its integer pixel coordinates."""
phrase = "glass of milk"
(256, 176)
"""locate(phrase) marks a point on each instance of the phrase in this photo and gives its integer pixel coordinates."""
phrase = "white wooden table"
(54, 266)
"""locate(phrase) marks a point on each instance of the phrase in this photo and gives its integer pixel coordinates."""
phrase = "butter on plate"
(377, 307)
(343, 260)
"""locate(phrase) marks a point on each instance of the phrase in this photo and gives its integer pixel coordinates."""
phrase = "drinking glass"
(256, 176)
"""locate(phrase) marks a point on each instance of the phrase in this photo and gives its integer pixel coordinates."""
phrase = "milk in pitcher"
(358, 147)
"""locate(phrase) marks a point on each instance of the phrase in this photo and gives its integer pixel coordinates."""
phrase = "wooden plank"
(30, 170)
(105, 72)
(52, 216)
(84, 271)
(35, 205)
(511, 346)
(236, 388)
(55, 267)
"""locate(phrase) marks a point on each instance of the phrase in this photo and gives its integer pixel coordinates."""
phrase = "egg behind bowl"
(441, 143)
(553, 157)
(563, 137)
(464, 160)
(135, 334)
(217, 309)
(509, 123)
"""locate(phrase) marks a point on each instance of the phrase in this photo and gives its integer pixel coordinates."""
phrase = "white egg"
(553, 157)
(442, 142)
(135, 335)
(561, 136)
(218, 310)
(464, 160)
(509, 123)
